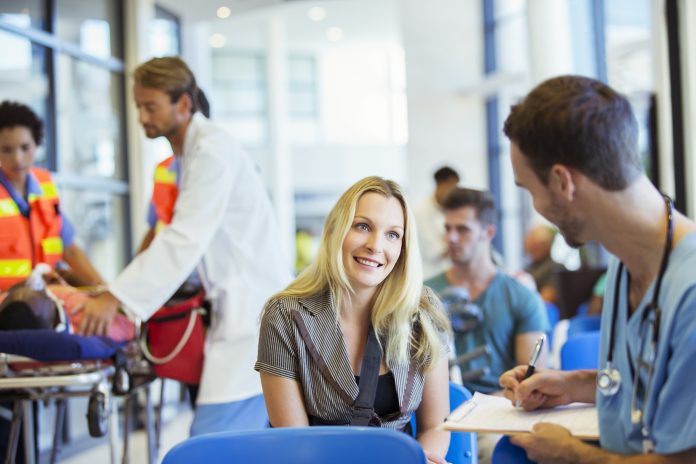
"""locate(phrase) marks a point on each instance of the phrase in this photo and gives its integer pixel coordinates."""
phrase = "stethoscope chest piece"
(608, 380)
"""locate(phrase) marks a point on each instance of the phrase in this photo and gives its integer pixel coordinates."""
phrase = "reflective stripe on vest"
(49, 191)
(8, 208)
(164, 193)
(164, 176)
(33, 239)
(15, 268)
(52, 246)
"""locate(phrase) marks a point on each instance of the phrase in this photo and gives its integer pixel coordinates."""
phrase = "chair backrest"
(554, 316)
(581, 352)
(462, 448)
(302, 445)
(580, 324)
(507, 453)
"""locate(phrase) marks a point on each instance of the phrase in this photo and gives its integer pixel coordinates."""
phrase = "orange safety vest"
(24, 242)
(164, 193)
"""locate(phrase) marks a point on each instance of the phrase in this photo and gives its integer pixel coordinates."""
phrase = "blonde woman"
(367, 276)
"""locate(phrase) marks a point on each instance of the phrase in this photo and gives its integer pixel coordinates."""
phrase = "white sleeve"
(204, 190)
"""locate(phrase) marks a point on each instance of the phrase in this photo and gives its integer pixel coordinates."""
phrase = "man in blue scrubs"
(575, 149)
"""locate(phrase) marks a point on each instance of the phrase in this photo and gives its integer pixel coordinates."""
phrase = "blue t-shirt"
(509, 309)
(67, 231)
(671, 409)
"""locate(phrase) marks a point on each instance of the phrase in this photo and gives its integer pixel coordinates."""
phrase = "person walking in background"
(431, 222)
(223, 225)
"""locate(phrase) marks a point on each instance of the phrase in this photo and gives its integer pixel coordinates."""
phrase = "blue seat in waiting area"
(462, 447)
(507, 453)
(554, 316)
(581, 352)
(302, 445)
(585, 323)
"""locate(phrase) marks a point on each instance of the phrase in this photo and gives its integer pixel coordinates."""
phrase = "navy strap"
(364, 405)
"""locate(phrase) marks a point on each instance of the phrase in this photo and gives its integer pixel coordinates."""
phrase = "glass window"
(98, 220)
(89, 97)
(239, 95)
(511, 36)
(629, 45)
(23, 79)
(164, 33)
(24, 14)
(92, 25)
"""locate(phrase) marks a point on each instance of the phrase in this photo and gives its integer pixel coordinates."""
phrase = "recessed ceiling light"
(217, 40)
(334, 34)
(317, 13)
(223, 12)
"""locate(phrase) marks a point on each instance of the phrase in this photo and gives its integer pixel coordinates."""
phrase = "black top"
(386, 399)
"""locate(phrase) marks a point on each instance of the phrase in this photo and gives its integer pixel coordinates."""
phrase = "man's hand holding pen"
(547, 388)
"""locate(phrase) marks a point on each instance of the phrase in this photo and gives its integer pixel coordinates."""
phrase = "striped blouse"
(301, 340)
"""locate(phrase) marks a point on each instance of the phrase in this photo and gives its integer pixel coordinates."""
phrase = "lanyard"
(651, 313)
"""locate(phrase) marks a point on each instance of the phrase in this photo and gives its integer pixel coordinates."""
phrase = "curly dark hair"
(14, 114)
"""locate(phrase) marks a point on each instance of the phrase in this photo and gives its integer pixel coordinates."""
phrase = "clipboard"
(495, 414)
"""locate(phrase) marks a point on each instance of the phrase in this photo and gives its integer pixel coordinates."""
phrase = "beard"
(569, 227)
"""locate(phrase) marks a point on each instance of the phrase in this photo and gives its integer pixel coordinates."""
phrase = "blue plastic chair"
(582, 309)
(507, 453)
(303, 445)
(462, 448)
(580, 324)
(581, 352)
(554, 316)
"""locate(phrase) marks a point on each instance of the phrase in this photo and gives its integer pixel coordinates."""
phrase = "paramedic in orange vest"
(32, 227)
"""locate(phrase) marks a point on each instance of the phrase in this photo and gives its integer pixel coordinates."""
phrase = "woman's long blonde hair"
(410, 320)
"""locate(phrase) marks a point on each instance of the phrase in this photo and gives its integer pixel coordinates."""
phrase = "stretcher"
(49, 365)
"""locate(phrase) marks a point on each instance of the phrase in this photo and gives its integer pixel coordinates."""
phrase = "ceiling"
(362, 21)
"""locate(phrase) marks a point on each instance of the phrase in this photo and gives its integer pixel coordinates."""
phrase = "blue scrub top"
(67, 231)
(671, 409)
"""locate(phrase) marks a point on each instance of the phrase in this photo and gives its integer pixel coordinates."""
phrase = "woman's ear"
(561, 181)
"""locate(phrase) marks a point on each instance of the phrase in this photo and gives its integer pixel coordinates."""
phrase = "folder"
(496, 414)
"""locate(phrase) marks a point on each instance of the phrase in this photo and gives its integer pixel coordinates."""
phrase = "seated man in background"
(513, 316)
(537, 246)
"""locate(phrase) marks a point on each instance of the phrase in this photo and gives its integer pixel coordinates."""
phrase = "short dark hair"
(581, 123)
(481, 201)
(444, 174)
(15, 114)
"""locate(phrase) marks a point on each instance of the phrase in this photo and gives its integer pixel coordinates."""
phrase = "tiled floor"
(173, 432)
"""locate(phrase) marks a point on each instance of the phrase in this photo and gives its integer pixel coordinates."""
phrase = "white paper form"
(495, 414)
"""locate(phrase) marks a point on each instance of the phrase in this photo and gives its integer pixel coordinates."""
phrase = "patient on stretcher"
(57, 307)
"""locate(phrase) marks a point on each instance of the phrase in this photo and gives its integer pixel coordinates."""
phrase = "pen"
(532, 361)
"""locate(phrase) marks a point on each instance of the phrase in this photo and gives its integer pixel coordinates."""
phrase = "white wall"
(444, 56)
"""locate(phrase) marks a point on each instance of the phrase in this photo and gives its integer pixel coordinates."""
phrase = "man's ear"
(561, 181)
(490, 231)
(185, 103)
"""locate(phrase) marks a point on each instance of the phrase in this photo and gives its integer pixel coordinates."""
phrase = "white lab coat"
(225, 228)
(430, 222)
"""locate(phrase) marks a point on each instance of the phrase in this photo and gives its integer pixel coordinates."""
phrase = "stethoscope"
(609, 378)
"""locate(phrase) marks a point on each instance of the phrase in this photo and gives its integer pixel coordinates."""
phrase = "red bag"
(173, 340)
